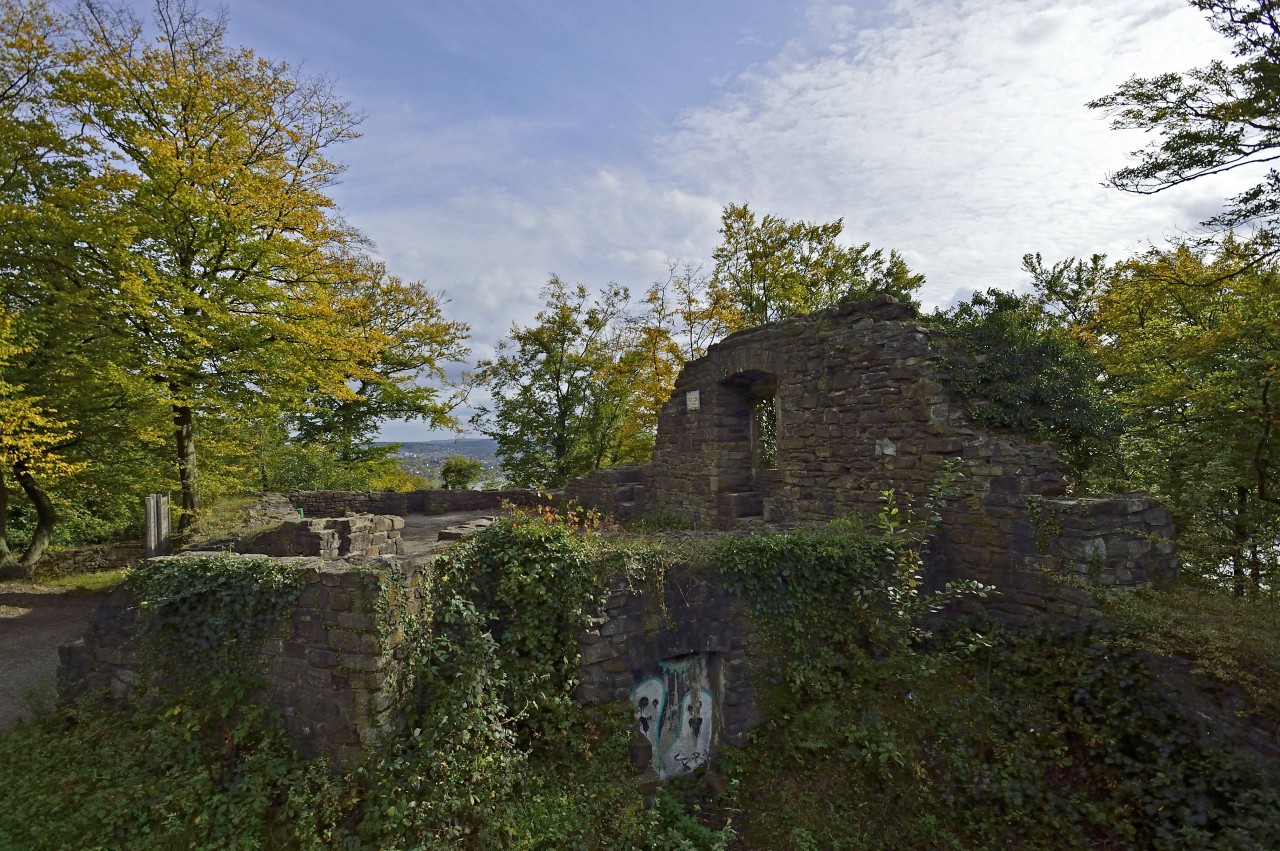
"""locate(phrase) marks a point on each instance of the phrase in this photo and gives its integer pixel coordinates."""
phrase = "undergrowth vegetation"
(1053, 739)
(887, 720)
(972, 735)
(1234, 640)
(494, 753)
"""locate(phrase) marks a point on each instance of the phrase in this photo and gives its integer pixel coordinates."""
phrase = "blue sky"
(505, 141)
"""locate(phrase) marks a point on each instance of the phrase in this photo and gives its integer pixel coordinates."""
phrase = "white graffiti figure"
(674, 712)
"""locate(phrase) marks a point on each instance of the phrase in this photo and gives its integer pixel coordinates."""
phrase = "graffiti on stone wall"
(674, 711)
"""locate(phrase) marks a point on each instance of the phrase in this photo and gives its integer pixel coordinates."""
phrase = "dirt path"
(34, 620)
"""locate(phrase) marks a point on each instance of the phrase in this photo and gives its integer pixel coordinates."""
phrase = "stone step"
(740, 504)
(465, 530)
(723, 482)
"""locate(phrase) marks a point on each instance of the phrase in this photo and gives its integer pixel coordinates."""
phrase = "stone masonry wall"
(620, 492)
(90, 559)
(400, 503)
(332, 671)
(862, 405)
(680, 652)
(329, 537)
(644, 635)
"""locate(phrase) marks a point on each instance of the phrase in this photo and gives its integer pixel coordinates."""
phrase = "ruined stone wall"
(90, 559)
(681, 654)
(400, 503)
(328, 537)
(331, 672)
(620, 492)
(862, 405)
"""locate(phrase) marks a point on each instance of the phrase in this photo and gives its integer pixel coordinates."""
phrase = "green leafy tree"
(559, 400)
(237, 286)
(458, 472)
(29, 437)
(33, 154)
(1191, 333)
(404, 338)
(1211, 120)
(223, 172)
(772, 268)
(168, 258)
(677, 320)
(1020, 364)
(1192, 340)
(76, 402)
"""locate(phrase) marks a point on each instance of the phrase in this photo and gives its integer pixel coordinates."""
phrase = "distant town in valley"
(424, 458)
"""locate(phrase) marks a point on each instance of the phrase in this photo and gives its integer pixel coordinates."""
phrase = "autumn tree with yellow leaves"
(172, 246)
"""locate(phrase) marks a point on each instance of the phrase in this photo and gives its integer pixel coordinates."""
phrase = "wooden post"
(158, 541)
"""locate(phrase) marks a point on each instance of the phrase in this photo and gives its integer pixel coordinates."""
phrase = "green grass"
(92, 583)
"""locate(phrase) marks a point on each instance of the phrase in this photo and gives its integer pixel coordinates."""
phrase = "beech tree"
(31, 150)
(1211, 120)
(1192, 340)
(30, 435)
(772, 268)
(223, 175)
(677, 319)
(70, 390)
(168, 252)
(402, 338)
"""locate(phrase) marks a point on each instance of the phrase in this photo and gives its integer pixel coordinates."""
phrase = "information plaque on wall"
(693, 400)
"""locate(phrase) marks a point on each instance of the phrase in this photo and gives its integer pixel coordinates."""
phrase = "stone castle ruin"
(799, 421)
(816, 417)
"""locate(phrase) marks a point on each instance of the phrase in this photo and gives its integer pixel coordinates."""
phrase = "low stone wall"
(1124, 540)
(620, 492)
(680, 654)
(332, 671)
(329, 537)
(90, 559)
(400, 503)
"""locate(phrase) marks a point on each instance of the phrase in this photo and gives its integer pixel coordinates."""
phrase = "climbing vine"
(493, 666)
(836, 597)
(204, 619)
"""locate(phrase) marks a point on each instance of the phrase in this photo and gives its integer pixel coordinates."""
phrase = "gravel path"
(34, 620)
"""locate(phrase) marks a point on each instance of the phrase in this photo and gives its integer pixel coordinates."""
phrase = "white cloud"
(953, 130)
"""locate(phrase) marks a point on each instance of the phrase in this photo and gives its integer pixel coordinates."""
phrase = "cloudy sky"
(509, 139)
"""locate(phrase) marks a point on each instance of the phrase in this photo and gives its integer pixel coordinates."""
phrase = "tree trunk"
(7, 559)
(185, 441)
(1240, 541)
(1255, 567)
(45, 519)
